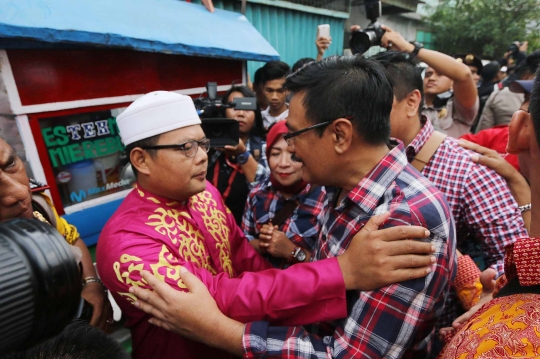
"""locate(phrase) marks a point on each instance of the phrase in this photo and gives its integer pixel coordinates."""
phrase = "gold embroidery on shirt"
(190, 241)
(125, 276)
(165, 260)
(152, 199)
(216, 223)
(172, 271)
(129, 297)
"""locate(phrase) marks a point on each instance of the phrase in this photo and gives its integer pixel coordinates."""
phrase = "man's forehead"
(183, 134)
(296, 112)
(275, 84)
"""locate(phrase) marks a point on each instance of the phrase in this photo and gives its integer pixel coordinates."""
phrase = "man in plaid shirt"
(481, 202)
(486, 214)
(339, 129)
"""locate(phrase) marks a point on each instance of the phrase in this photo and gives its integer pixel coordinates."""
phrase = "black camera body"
(219, 130)
(362, 40)
(513, 49)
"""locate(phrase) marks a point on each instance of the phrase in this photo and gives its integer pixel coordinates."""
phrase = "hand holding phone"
(323, 31)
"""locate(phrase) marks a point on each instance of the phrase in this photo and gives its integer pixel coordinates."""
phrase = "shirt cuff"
(253, 340)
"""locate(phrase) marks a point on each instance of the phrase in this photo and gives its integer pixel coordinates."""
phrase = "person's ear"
(413, 103)
(139, 159)
(342, 133)
(520, 131)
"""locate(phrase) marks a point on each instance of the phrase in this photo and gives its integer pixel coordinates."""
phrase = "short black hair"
(258, 127)
(529, 66)
(258, 78)
(274, 70)
(534, 106)
(150, 141)
(298, 64)
(346, 86)
(404, 73)
(77, 341)
(490, 71)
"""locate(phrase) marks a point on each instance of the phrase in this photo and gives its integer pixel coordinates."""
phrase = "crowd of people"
(377, 207)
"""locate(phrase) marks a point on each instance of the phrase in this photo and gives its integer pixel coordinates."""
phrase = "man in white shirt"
(274, 74)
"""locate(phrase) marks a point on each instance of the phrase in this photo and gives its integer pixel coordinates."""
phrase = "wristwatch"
(299, 255)
(242, 158)
(417, 47)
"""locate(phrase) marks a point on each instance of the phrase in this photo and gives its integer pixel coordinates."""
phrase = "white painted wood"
(8, 81)
(97, 201)
(56, 106)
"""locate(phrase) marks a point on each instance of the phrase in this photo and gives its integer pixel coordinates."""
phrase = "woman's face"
(245, 118)
(286, 171)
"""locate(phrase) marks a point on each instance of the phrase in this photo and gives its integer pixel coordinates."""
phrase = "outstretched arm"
(465, 92)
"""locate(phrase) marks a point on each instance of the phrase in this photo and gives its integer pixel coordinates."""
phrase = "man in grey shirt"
(457, 116)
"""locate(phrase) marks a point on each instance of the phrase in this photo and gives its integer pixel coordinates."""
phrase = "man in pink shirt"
(174, 218)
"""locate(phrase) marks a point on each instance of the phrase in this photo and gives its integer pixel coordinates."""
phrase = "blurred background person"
(282, 213)
(274, 74)
(233, 170)
(502, 104)
(474, 63)
(451, 98)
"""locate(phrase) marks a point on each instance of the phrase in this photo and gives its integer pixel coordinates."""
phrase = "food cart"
(68, 68)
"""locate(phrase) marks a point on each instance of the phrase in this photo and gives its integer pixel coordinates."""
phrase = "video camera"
(40, 286)
(219, 130)
(362, 40)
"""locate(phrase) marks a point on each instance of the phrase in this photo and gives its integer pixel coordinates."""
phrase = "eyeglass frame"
(181, 146)
(289, 136)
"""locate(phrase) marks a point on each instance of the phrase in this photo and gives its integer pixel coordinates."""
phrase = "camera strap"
(427, 151)
(235, 170)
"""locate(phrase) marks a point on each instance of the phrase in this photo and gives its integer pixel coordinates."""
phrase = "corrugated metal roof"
(168, 26)
(292, 33)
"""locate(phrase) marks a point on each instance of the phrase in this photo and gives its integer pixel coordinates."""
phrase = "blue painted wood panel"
(291, 32)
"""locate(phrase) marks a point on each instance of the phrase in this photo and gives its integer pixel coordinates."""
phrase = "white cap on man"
(156, 113)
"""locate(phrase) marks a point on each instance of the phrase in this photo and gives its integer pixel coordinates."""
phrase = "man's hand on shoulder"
(192, 314)
(377, 258)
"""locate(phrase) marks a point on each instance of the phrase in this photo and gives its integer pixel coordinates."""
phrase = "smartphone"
(323, 30)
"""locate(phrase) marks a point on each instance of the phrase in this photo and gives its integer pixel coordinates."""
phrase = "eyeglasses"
(289, 137)
(189, 147)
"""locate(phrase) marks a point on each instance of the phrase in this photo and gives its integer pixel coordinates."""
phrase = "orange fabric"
(467, 283)
(507, 327)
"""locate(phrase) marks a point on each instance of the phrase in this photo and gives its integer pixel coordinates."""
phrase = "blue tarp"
(168, 26)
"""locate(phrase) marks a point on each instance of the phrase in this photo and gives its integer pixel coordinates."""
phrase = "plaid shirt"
(480, 200)
(391, 322)
(262, 168)
(302, 227)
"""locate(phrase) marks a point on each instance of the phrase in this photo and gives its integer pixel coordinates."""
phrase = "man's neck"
(428, 99)
(414, 130)
(277, 112)
(358, 166)
(141, 183)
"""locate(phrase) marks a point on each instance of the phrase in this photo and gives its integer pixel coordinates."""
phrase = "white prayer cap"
(156, 113)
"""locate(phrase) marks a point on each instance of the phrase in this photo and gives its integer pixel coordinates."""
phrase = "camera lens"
(39, 283)
(360, 42)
